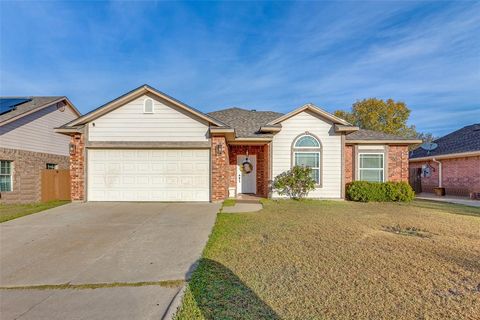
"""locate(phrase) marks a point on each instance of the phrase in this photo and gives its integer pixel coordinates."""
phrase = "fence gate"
(55, 185)
(415, 179)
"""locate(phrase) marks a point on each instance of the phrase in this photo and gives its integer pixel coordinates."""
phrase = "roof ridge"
(243, 109)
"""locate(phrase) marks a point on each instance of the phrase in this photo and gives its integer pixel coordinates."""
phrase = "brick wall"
(398, 163)
(77, 168)
(263, 159)
(27, 166)
(460, 176)
(220, 169)
(349, 164)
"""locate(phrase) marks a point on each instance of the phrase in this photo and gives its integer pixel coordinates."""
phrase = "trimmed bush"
(295, 183)
(365, 191)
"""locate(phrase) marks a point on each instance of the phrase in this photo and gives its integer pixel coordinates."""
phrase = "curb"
(175, 303)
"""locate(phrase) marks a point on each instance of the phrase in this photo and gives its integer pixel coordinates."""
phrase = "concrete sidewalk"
(450, 199)
(243, 207)
(150, 302)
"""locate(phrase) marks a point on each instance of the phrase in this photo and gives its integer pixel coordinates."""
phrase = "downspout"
(439, 172)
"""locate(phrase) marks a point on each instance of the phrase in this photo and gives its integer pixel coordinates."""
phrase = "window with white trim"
(51, 166)
(306, 152)
(6, 175)
(371, 167)
(148, 105)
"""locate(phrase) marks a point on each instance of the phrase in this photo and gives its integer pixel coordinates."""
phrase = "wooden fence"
(55, 185)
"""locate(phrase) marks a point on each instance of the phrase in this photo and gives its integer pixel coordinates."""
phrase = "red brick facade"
(220, 168)
(460, 176)
(349, 164)
(263, 159)
(397, 163)
(77, 168)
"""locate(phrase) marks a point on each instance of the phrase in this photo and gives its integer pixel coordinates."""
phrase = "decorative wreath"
(246, 167)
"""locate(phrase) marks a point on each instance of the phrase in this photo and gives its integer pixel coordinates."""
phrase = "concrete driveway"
(91, 243)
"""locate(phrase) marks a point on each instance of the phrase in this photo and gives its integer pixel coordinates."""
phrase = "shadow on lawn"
(220, 294)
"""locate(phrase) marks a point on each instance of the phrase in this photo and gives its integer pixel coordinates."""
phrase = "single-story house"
(451, 162)
(148, 146)
(29, 144)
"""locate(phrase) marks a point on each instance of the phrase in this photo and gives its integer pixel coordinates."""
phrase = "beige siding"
(34, 132)
(331, 170)
(129, 123)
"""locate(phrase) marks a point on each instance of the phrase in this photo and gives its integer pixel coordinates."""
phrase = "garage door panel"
(148, 175)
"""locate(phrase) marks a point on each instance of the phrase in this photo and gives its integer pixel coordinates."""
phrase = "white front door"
(246, 180)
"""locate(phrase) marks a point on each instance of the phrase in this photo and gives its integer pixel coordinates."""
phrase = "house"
(29, 144)
(148, 146)
(451, 162)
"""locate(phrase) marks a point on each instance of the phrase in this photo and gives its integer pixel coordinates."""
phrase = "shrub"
(295, 183)
(365, 191)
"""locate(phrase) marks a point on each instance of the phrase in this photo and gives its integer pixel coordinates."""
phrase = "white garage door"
(148, 175)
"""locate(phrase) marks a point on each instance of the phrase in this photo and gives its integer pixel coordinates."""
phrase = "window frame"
(317, 150)
(145, 104)
(10, 174)
(55, 166)
(359, 169)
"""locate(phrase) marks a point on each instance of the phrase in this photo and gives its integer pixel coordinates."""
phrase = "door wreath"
(246, 167)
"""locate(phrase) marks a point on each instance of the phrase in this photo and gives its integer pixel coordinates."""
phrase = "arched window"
(148, 105)
(306, 150)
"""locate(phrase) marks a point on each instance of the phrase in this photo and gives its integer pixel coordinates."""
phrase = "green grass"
(229, 202)
(166, 283)
(13, 211)
(338, 260)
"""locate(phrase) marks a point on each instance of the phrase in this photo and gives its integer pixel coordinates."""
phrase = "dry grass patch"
(336, 260)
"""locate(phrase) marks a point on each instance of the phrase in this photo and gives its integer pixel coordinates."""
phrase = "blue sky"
(259, 55)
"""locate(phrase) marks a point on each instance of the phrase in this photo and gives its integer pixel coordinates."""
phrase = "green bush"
(365, 191)
(295, 183)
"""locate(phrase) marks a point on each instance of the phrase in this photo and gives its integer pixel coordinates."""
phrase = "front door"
(246, 174)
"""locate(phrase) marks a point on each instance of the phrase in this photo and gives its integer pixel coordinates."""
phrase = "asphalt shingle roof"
(364, 134)
(27, 106)
(466, 139)
(246, 122)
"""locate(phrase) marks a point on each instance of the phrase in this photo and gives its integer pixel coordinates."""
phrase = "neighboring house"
(29, 144)
(453, 163)
(148, 146)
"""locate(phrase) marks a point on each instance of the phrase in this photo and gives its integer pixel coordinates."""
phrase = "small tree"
(295, 183)
(379, 115)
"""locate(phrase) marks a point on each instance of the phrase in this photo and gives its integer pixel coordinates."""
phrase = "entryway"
(247, 174)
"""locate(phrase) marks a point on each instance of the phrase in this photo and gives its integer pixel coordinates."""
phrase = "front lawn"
(340, 260)
(13, 211)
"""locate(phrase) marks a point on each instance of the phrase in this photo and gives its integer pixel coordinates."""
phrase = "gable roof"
(313, 108)
(247, 123)
(463, 140)
(34, 104)
(143, 89)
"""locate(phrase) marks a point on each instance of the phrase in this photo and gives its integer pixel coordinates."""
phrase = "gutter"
(439, 172)
(447, 156)
(399, 142)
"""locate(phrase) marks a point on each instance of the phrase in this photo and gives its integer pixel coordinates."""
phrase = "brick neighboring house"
(28, 144)
(454, 164)
(148, 146)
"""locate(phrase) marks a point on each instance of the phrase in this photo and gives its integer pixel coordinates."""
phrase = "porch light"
(219, 149)
(71, 148)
